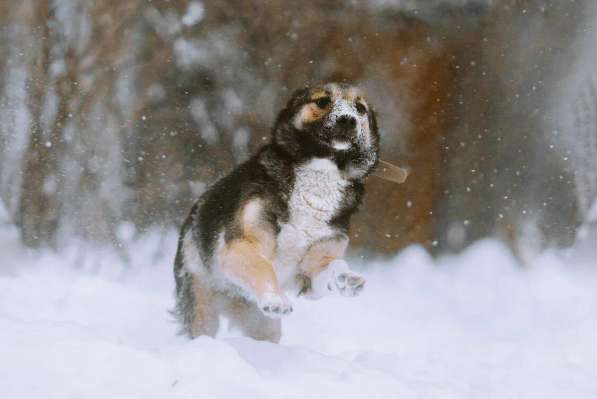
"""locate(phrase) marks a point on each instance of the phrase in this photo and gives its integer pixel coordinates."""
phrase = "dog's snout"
(346, 122)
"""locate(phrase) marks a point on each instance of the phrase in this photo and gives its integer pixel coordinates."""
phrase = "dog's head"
(331, 120)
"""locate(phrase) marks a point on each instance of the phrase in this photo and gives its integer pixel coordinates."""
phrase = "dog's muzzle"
(344, 132)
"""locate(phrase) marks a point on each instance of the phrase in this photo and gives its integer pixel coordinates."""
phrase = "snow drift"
(84, 324)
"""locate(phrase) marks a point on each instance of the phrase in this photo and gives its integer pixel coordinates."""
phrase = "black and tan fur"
(279, 222)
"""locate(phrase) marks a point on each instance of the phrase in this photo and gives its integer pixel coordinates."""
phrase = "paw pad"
(275, 306)
(349, 284)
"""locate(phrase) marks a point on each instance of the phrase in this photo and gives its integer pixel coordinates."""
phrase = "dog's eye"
(361, 108)
(323, 102)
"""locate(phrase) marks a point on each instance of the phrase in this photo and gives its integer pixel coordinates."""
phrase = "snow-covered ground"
(81, 324)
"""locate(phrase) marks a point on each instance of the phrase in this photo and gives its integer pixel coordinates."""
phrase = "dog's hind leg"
(205, 320)
(194, 297)
(195, 306)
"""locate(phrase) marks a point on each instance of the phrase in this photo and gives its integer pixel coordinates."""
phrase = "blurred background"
(116, 115)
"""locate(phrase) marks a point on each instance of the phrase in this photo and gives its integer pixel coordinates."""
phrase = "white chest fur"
(317, 193)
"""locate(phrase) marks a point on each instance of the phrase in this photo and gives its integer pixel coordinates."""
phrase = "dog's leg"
(245, 262)
(345, 281)
(328, 272)
(252, 322)
(194, 305)
(204, 318)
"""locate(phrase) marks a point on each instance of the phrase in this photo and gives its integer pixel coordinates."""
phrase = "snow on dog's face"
(336, 115)
(328, 119)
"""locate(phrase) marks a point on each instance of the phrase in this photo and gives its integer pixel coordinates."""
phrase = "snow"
(592, 214)
(83, 323)
(194, 14)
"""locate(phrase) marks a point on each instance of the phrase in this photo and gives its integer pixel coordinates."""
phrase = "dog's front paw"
(274, 305)
(349, 283)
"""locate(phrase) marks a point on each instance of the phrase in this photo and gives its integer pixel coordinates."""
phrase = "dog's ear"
(299, 97)
(373, 126)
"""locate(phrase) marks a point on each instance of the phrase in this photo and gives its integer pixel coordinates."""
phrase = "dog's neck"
(322, 161)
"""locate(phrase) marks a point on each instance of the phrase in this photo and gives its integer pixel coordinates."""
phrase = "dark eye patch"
(323, 102)
(361, 108)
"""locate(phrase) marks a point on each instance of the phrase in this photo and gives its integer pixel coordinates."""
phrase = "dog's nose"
(346, 122)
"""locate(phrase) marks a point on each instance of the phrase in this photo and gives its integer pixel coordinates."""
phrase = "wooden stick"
(390, 172)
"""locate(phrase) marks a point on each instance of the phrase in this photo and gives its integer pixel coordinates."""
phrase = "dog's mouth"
(341, 144)
(339, 139)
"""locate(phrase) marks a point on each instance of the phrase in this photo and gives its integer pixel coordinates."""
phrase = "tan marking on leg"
(320, 255)
(205, 317)
(243, 262)
(246, 260)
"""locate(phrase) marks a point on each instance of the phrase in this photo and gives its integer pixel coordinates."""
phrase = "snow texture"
(83, 324)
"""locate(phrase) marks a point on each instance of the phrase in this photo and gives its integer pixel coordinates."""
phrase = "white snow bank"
(469, 326)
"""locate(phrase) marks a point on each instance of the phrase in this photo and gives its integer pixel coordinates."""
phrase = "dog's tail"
(184, 296)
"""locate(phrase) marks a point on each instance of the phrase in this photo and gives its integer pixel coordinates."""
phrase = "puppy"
(279, 222)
